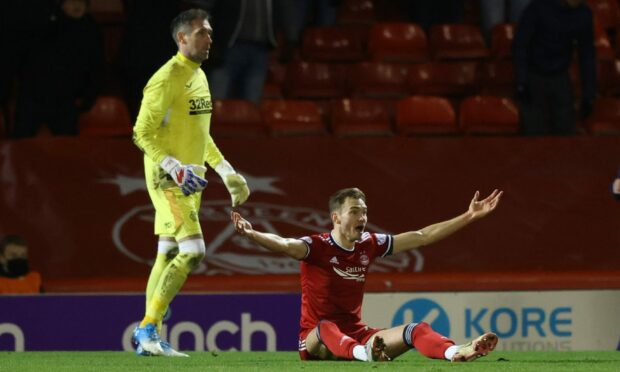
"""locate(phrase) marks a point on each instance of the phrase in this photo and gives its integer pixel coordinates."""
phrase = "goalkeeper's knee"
(191, 253)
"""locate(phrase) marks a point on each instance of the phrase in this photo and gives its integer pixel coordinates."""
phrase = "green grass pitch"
(289, 361)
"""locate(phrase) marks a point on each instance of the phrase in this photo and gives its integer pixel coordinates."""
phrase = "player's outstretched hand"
(480, 208)
(242, 226)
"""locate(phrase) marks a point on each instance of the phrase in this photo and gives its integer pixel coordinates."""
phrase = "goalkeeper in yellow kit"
(172, 130)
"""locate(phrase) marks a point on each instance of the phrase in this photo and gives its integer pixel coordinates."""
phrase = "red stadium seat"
(607, 12)
(379, 80)
(604, 51)
(109, 117)
(501, 40)
(444, 78)
(397, 42)
(236, 118)
(457, 41)
(353, 117)
(425, 115)
(275, 79)
(605, 119)
(314, 80)
(608, 78)
(292, 117)
(489, 115)
(356, 12)
(497, 78)
(332, 44)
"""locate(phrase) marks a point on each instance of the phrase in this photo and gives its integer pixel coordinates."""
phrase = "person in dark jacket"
(245, 37)
(547, 34)
(62, 74)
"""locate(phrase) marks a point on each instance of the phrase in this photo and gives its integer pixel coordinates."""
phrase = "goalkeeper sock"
(424, 339)
(337, 342)
(166, 251)
(172, 279)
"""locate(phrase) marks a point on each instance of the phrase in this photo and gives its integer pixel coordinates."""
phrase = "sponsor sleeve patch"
(386, 241)
(308, 241)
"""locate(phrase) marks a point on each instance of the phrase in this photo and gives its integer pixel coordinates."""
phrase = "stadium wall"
(83, 206)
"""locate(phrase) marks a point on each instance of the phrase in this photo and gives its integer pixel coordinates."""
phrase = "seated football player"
(334, 267)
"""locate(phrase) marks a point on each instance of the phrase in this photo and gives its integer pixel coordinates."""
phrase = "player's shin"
(424, 339)
(191, 253)
(166, 251)
(337, 342)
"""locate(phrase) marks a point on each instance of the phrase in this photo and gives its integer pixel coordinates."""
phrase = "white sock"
(450, 351)
(165, 246)
(359, 353)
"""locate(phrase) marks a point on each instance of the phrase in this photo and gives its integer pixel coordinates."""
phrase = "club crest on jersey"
(364, 260)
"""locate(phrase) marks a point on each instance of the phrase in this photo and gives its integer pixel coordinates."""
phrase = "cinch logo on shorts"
(199, 106)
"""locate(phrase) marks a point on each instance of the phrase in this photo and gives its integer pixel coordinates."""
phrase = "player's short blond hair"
(339, 197)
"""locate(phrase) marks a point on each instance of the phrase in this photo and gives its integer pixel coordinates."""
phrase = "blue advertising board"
(245, 322)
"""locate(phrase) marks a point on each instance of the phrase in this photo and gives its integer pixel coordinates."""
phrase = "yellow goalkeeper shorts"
(176, 215)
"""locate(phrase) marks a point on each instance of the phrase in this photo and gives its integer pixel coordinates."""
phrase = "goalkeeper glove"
(235, 183)
(184, 175)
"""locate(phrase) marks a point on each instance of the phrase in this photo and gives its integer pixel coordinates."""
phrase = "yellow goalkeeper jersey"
(175, 115)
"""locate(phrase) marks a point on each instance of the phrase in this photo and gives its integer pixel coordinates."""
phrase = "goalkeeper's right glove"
(185, 175)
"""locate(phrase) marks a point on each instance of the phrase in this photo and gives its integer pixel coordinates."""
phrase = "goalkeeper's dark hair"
(12, 239)
(184, 20)
(337, 200)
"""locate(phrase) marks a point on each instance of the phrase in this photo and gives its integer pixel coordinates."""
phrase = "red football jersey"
(333, 278)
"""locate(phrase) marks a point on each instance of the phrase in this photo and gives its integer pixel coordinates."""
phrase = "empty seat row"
(389, 80)
(393, 42)
(351, 117)
(414, 115)
(317, 80)
(407, 42)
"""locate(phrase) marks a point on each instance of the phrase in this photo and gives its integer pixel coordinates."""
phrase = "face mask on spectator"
(17, 267)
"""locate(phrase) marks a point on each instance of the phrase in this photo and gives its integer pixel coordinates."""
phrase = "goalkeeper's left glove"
(235, 183)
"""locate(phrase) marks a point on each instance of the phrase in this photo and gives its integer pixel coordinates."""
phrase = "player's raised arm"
(294, 248)
(431, 234)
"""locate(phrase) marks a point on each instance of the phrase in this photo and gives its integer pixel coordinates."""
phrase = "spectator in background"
(15, 274)
(428, 13)
(302, 14)
(322, 12)
(62, 74)
(543, 47)
(245, 37)
(23, 24)
(494, 12)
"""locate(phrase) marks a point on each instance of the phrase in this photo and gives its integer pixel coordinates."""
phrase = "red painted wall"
(83, 207)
